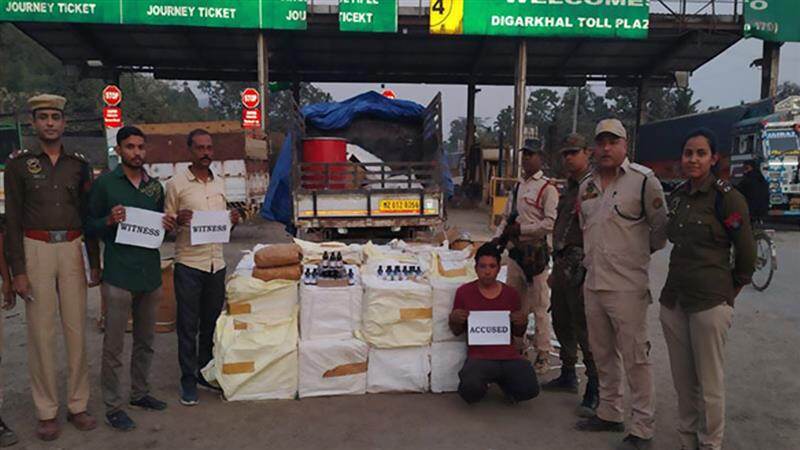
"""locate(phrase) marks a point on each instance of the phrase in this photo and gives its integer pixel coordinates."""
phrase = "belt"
(53, 237)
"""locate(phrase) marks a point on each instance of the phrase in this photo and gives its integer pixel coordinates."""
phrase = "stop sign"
(112, 95)
(250, 98)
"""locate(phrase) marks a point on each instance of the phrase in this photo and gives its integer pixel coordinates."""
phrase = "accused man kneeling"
(501, 364)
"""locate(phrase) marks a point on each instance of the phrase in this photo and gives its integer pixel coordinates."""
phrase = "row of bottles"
(397, 274)
(331, 268)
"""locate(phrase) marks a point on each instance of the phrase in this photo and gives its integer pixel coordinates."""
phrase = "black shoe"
(189, 394)
(632, 442)
(566, 382)
(598, 424)
(120, 421)
(149, 403)
(206, 386)
(591, 398)
(7, 435)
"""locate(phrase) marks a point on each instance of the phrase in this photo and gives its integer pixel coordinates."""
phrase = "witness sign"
(141, 228)
(489, 328)
(210, 227)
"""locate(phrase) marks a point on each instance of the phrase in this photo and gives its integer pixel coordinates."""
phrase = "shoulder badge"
(18, 153)
(733, 222)
(590, 192)
(33, 165)
(723, 186)
(644, 170)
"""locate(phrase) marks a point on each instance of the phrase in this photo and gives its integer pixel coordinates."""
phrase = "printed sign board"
(210, 227)
(489, 328)
(141, 228)
(772, 20)
(377, 16)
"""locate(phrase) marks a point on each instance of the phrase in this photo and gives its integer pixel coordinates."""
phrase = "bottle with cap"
(351, 277)
(380, 273)
(314, 275)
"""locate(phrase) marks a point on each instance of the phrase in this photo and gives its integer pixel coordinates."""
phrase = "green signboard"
(206, 13)
(280, 14)
(97, 11)
(568, 18)
(772, 20)
(284, 14)
(377, 16)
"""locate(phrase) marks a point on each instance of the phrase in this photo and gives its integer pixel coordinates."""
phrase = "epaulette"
(682, 185)
(723, 186)
(644, 170)
(18, 153)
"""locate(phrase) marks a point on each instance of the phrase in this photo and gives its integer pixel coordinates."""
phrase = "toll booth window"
(782, 141)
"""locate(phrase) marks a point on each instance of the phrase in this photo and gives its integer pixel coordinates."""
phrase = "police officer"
(566, 281)
(707, 218)
(623, 217)
(46, 199)
(532, 208)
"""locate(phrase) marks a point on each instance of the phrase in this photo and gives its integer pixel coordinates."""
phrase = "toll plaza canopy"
(323, 53)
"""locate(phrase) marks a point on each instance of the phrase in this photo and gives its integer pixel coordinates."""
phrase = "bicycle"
(766, 257)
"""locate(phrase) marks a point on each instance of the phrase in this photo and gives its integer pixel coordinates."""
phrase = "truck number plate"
(399, 206)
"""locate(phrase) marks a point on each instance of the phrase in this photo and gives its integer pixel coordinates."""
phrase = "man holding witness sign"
(490, 313)
(126, 201)
(196, 195)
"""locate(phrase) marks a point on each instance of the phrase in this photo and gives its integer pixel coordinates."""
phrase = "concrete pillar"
(263, 79)
(769, 68)
(520, 77)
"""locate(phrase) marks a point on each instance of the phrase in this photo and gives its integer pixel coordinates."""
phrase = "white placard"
(210, 227)
(142, 228)
(489, 328)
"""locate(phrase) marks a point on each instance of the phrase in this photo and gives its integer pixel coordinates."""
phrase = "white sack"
(447, 359)
(329, 313)
(396, 313)
(398, 369)
(276, 299)
(333, 367)
(444, 294)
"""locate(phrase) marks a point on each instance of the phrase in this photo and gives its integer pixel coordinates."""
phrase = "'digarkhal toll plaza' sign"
(568, 18)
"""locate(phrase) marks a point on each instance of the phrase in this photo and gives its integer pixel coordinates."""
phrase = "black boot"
(566, 382)
(591, 398)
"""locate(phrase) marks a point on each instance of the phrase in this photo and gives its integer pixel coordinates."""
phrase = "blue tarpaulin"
(333, 116)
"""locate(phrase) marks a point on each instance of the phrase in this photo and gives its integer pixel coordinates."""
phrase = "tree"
(787, 89)
(504, 123)
(541, 109)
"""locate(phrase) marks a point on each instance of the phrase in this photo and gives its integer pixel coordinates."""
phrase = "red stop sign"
(250, 98)
(112, 95)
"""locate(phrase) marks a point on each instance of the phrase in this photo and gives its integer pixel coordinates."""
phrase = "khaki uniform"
(622, 225)
(697, 301)
(42, 197)
(569, 318)
(537, 200)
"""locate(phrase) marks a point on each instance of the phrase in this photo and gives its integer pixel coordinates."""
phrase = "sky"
(724, 81)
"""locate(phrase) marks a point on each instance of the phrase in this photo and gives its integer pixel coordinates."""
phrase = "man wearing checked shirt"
(199, 269)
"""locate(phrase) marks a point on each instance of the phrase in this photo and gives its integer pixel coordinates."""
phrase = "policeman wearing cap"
(46, 200)
(566, 281)
(623, 217)
(528, 221)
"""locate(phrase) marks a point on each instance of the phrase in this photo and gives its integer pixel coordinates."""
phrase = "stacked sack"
(255, 339)
(332, 360)
(278, 262)
(397, 324)
(450, 270)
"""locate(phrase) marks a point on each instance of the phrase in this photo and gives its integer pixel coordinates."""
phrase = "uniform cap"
(47, 101)
(613, 126)
(532, 145)
(574, 141)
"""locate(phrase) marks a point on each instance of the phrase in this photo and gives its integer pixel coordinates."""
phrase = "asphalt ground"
(763, 389)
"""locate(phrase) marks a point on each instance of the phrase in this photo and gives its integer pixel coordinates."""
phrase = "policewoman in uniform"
(623, 217)
(707, 218)
(46, 201)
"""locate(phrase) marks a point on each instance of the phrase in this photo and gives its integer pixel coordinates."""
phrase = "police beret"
(47, 101)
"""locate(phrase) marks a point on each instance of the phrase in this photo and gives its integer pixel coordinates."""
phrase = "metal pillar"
(770, 65)
(296, 91)
(520, 76)
(473, 161)
(641, 116)
(575, 109)
(263, 79)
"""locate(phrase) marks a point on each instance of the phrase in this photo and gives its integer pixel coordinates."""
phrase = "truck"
(241, 157)
(765, 132)
(393, 183)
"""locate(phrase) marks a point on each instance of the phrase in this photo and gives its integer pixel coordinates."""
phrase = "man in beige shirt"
(535, 202)
(199, 269)
(623, 217)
